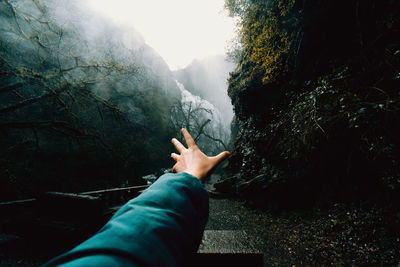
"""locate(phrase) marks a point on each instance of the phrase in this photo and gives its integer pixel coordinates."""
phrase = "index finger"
(188, 138)
(178, 145)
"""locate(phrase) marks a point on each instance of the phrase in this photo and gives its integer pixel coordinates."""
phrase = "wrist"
(196, 174)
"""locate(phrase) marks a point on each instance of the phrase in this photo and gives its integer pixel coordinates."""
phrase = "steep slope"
(316, 99)
(207, 78)
(84, 103)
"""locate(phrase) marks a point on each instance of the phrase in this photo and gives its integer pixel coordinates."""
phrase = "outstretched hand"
(191, 160)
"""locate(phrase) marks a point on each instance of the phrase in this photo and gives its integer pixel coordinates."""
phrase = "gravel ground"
(343, 235)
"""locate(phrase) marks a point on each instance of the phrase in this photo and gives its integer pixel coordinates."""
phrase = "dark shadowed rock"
(226, 185)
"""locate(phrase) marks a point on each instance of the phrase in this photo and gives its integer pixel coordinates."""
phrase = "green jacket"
(161, 227)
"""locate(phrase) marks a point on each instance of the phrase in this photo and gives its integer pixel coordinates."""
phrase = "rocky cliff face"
(316, 101)
(207, 78)
(81, 99)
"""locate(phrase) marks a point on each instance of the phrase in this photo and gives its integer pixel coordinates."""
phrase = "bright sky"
(179, 30)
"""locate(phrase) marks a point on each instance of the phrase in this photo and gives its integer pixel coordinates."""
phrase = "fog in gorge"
(88, 104)
(207, 78)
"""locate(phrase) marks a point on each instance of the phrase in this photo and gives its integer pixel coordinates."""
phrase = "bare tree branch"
(24, 103)
(201, 130)
(216, 140)
(8, 88)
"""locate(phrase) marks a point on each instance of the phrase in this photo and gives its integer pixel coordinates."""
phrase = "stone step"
(228, 248)
(228, 241)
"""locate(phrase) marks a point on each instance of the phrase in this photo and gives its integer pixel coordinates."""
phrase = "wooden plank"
(105, 191)
(17, 202)
(11, 208)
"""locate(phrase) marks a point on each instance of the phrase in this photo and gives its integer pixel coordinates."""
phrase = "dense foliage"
(267, 34)
(316, 99)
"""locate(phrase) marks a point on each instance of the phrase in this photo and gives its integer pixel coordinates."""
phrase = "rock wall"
(317, 120)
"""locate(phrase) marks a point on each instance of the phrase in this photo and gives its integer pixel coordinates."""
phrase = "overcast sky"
(179, 30)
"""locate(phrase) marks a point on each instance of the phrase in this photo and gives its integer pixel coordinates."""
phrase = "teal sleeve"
(161, 227)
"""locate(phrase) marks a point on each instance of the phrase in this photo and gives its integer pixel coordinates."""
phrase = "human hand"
(191, 160)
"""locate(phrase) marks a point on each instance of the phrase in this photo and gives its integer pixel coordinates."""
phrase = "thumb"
(221, 156)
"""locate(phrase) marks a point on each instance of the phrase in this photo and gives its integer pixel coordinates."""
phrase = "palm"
(192, 160)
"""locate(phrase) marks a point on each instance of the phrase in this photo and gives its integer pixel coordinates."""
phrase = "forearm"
(159, 228)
